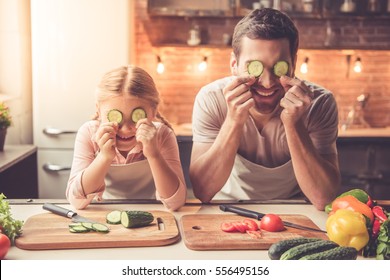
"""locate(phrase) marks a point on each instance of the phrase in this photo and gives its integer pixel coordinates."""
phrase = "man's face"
(267, 90)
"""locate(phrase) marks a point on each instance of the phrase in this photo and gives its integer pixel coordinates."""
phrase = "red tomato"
(228, 227)
(241, 227)
(252, 225)
(272, 222)
(5, 243)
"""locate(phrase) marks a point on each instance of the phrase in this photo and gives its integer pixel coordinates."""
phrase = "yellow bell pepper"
(347, 228)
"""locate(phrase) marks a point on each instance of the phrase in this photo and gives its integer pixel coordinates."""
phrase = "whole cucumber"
(277, 249)
(299, 251)
(338, 253)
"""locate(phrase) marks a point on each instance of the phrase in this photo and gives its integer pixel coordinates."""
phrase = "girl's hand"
(296, 101)
(238, 98)
(105, 137)
(147, 135)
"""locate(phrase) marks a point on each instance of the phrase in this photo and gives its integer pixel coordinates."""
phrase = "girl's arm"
(161, 149)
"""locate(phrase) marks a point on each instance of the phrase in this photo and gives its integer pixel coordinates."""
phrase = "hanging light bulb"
(203, 65)
(357, 67)
(304, 66)
(160, 65)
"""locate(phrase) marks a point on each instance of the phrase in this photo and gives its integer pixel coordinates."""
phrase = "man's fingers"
(288, 82)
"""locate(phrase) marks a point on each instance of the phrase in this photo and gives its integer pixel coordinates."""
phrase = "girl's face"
(125, 137)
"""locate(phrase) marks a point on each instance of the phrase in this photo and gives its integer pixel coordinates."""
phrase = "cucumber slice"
(78, 229)
(114, 217)
(137, 114)
(115, 115)
(100, 228)
(281, 68)
(255, 68)
(87, 225)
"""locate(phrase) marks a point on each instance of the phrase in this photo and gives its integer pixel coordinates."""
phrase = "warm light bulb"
(304, 67)
(203, 65)
(358, 65)
(160, 66)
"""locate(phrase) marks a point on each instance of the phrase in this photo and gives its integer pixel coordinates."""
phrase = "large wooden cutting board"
(203, 232)
(50, 231)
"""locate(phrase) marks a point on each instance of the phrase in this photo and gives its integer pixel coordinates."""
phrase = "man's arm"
(212, 163)
(318, 175)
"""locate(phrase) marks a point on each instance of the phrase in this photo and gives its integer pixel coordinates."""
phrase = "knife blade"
(257, 215)
(66, 213)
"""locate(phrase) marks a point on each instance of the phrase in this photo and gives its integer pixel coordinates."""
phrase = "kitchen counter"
(23, 209)
(18, 171)
(14, 154)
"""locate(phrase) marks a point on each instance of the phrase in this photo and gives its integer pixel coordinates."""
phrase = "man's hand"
(238, 98)
(295, 102)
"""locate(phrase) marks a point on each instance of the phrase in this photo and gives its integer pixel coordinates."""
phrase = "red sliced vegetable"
(379, 213)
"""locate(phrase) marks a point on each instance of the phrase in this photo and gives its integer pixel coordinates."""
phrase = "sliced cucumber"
(100, 228)
(281, 68)
(87, 225)
(137, 114)
(115, 115)
(78, 229)
(255, 68)
(114, 217)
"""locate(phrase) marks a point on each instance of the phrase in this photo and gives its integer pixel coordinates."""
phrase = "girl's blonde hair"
(131, 80)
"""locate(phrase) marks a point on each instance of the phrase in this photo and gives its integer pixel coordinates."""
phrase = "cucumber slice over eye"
(115, 115)
(255, 68)
(281, 68)
(137, 114)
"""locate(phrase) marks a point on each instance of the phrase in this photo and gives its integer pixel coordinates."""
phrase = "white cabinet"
(74, 42)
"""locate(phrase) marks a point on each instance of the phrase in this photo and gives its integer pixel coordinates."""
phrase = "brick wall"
(368, 39)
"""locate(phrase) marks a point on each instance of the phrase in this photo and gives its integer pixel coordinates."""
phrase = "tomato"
(272, 222)
(251, 224)
(5, 243)
(228, 227)
(241, 227)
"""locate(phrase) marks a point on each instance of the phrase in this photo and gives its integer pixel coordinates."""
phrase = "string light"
(304, 66)
(203, 65)
(160, 65)
(357, 67)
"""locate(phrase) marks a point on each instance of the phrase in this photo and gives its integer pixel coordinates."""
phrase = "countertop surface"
(185, 129)
(23, 209)
(13, 154)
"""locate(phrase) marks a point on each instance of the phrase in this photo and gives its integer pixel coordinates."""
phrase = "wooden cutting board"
(203, 232)
(51, 231)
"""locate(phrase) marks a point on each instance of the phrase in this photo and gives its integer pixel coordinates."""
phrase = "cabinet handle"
(370, 176)
(54, 167)
(51, 131)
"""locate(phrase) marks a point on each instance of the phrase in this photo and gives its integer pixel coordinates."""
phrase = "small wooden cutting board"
(203, 232)
(51, 231)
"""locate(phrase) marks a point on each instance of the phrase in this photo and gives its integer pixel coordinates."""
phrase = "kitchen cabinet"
(69, 56)
(18, 171)
(213, 23)
(365, 163)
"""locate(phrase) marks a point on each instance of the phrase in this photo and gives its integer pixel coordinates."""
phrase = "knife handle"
(58, 210)
(241, 211)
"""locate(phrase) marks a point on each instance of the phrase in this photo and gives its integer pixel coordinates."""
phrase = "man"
(265, 137)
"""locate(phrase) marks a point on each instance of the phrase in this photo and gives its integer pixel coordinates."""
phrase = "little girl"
(123, 153)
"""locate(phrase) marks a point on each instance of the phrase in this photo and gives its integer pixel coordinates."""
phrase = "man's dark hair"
(267, 24)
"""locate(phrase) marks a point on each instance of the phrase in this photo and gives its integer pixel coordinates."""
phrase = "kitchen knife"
(66, 213)
(256, 215)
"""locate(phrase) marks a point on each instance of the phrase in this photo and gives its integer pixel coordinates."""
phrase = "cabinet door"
(53, 172)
